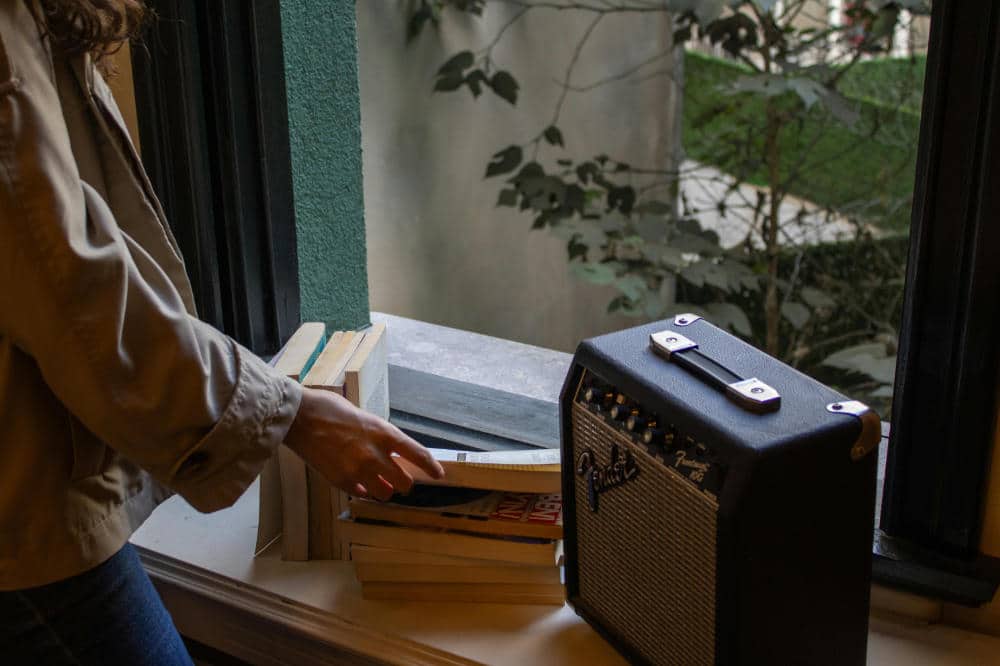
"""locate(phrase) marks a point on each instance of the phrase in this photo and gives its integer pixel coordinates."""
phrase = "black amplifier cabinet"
(719, 505)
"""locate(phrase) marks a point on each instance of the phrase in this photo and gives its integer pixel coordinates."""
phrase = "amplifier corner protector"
(871, 426)
(685, 319)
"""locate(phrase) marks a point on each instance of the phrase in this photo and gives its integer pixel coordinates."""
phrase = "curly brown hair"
(98, 27)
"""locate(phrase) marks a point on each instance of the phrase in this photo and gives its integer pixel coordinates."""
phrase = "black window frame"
(226, 182)
(213, 125)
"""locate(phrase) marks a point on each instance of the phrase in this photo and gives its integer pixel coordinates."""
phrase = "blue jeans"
(108, 615)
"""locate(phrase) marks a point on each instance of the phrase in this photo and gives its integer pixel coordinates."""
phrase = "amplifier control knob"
(653, 436)
(636, 422)
(598, 395)
(620, 410)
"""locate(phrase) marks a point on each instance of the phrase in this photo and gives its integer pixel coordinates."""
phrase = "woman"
(111, 389)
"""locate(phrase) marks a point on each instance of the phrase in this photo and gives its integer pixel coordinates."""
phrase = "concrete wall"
(325, 133)
(438, 249)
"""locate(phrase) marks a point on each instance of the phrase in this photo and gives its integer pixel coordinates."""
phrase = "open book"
(528, 471)
(486, 512)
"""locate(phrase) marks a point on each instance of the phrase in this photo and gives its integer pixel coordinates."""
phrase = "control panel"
(652, 431)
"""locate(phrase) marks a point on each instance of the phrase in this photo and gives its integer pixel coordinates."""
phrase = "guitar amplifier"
(718, 504)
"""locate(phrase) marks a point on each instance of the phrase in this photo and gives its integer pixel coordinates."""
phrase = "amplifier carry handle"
(751, 394)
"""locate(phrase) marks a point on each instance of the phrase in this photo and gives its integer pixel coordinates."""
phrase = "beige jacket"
(107, 377)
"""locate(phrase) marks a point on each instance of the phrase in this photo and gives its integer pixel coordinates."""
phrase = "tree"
(772, 119)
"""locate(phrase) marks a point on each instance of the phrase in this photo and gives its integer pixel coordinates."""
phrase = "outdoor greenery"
(800, 111)
(889, 81)
(864, 168)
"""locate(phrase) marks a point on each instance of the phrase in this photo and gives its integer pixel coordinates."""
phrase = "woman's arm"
(112, 337)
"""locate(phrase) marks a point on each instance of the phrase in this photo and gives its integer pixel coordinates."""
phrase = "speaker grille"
(647, 556)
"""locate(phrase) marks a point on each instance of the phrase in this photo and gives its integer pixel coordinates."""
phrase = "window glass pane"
(547, 174)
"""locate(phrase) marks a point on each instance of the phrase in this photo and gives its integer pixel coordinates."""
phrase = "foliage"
(851, 297)
(774, 115)
(864, 169)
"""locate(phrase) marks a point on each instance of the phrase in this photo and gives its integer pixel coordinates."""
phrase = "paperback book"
(470, 510)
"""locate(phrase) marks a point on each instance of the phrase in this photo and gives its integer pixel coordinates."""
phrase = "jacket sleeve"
(107, 328)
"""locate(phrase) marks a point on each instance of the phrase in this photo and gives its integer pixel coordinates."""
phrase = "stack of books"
(353, 364)
(491, 531)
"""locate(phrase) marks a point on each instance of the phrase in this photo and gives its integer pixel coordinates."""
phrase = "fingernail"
(439, 471)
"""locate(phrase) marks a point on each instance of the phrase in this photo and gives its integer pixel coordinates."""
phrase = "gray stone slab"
(473, 358)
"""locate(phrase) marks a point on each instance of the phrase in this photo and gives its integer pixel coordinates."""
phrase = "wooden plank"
(321, 517)
(293, 361)
(324, 500)
(298, 354)
(366, 381)
(294, 506)
(328, 372)
(269, 629)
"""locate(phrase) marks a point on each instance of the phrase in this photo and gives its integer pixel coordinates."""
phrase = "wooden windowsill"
(267, 611)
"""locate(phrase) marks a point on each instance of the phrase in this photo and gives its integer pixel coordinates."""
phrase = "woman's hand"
(352, 448)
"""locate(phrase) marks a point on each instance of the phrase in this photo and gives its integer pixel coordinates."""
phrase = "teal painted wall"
(324, 118)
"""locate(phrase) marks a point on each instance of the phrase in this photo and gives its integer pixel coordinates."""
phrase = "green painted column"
(324, 118)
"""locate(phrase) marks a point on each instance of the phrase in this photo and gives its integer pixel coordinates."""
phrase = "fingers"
(354, 449)
(414, 452)
(378, 488)
(400, 480)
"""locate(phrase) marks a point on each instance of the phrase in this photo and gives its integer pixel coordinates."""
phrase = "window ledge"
(265, 610)
(456, 388)
(268, 611)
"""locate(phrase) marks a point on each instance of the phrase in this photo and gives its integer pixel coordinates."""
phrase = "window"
(944, 410)
(215, 144)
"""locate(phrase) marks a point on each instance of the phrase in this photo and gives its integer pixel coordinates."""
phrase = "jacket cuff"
(214, 474)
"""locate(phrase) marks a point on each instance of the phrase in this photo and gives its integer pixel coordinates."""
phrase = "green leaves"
(457, 63)
(508, 198)
(429, 12)
(449, 82)
(621, 198)
(809, 92)
(504, 85)
(595, 273)
(736, 33)
(795, 313)
(816, 299)
(475, 80)
(728, 315)
(632, 287)
(451, 75)
(457, 72)
(504, 161)
(869, 359)
(553, 136)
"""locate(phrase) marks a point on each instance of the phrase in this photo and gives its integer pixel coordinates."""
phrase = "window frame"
(213, 125)
(945, 397)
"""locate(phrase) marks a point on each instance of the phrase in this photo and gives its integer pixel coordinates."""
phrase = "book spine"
(421, 518)
(447, 543)
(484, 593)
(403, 573)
